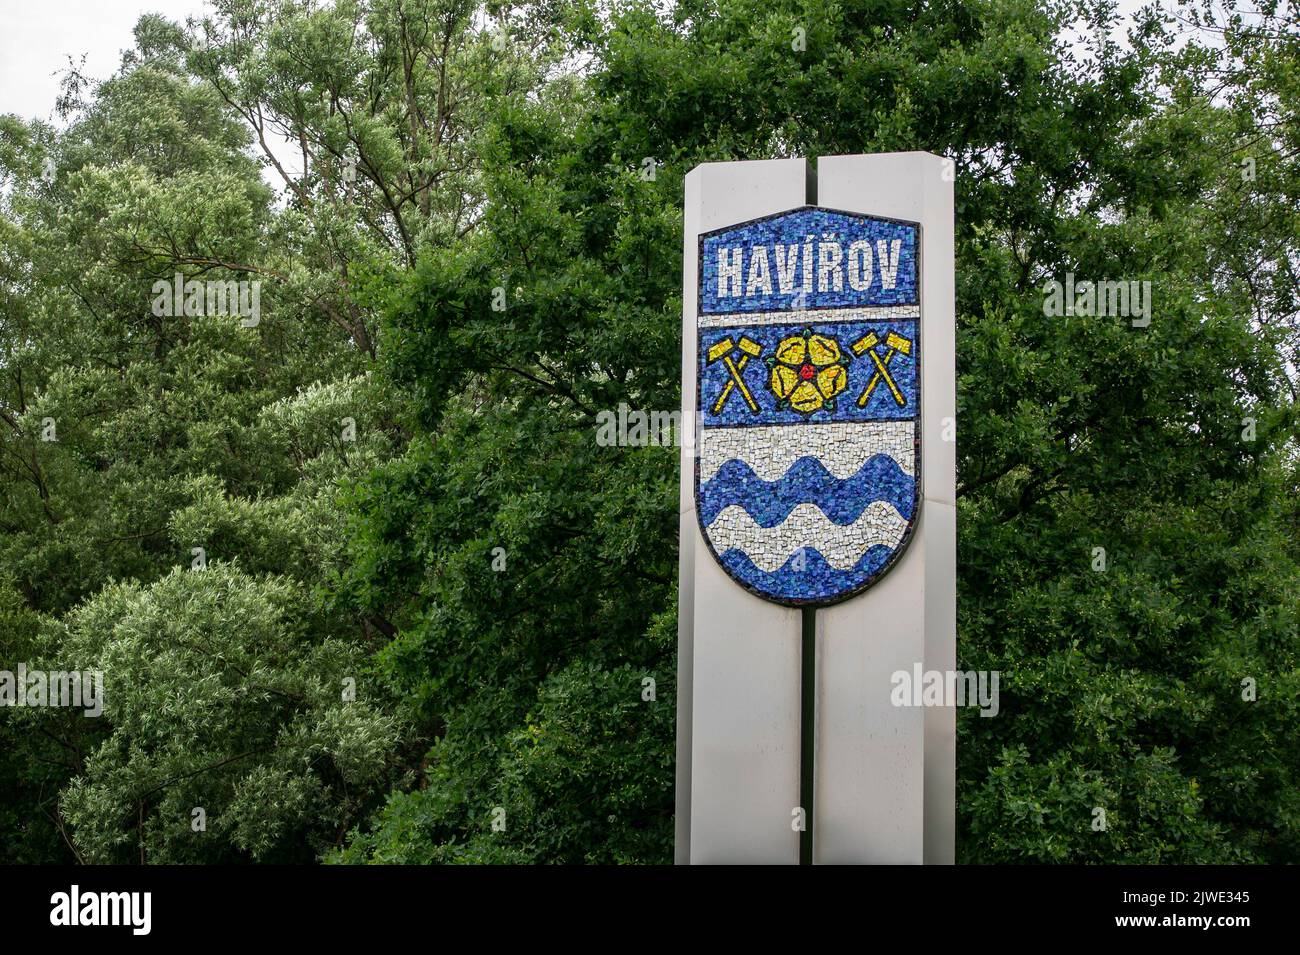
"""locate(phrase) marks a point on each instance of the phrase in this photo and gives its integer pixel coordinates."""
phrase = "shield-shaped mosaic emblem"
(807, 476)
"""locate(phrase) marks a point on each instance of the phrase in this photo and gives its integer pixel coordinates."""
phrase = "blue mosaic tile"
(809, 259)
(807, 480)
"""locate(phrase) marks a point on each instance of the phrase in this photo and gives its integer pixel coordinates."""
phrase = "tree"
(140, 440)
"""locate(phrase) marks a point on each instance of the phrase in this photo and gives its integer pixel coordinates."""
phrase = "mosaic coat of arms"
(807, 479)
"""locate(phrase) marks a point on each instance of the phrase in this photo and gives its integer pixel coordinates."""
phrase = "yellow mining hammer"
(866, 345)
(723, 350)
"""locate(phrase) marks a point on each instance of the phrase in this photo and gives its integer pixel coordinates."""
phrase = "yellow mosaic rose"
(807, 372)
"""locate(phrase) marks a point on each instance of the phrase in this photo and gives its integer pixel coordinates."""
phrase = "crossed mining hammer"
(867, 345)
(723, 350)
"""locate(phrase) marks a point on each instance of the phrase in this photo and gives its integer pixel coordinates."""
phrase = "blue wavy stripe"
(817, 580)
(769, 503)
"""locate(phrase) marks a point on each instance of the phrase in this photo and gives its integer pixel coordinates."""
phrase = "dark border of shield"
(919, 496)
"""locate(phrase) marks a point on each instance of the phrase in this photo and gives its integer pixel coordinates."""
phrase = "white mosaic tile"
(842, 546)
(842, 448)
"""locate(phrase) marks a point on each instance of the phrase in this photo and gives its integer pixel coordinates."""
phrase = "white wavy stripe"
(875, 313)
(841, 447)
(841, 544)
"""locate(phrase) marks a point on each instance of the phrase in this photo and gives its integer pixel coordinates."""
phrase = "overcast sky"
(38, 36)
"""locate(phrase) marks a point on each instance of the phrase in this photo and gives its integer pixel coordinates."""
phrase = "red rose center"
(806, 371)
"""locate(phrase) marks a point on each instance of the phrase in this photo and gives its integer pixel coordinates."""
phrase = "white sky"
(38, 36)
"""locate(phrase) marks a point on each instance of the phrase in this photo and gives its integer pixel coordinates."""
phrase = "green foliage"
(166, 433)
(570, 784)
(218, 697)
